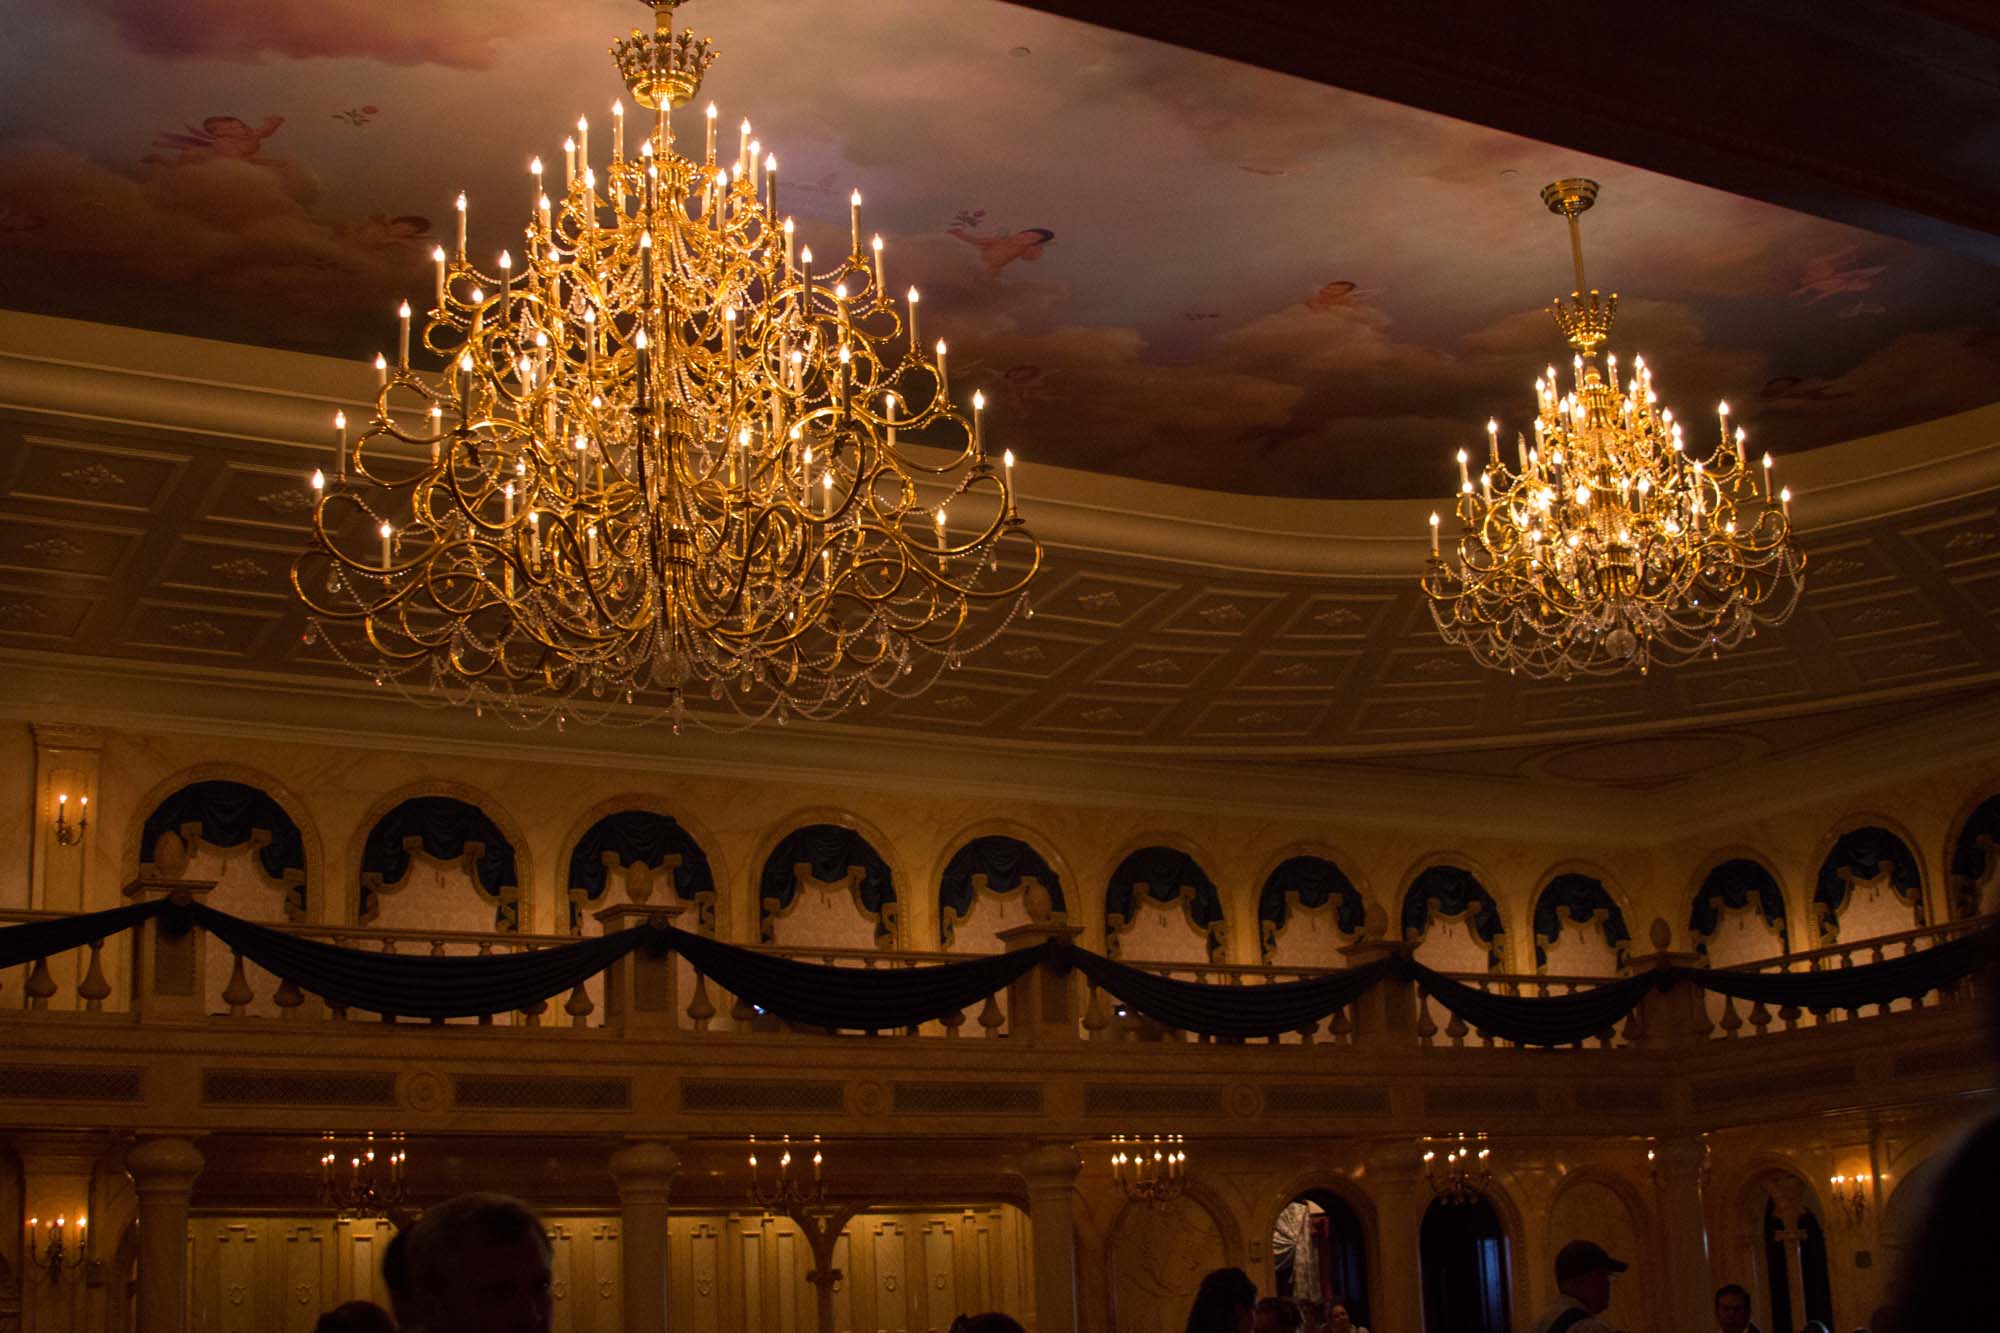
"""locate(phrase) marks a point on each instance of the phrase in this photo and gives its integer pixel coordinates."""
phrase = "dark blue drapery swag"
(1978, 843)
(883, 999)
(1005, 862)
(1580, 897)
(1451, 891)
(230, 814)
(632, 836)
(443, 825)
(1316, 881)
(1164, 872)
(1862, 853)
(828, 851)
(1733, 884)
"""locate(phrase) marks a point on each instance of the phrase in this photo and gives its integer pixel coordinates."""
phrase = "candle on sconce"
(340, 444)
(1785, 500)
(889, 417)
(590, 541)
(854, 220)
(1767, 478)
(756, 162)
(708, 156)
(381, 371)
(437, 257)
(915, 341)
(403, 338)
(1493, 441)
(506, 284)
(535, 170)
(460, 204)
(582, 143)
(318, 480)
(1434, 535)
(1464, 477)
(1007, 462)
(387, 533)
(978, 427)
(742, 143)
(880, 288)
(943, 376)
(771, 184)
(618, 131)
(569, 160)
(534, 538)
(789, 229)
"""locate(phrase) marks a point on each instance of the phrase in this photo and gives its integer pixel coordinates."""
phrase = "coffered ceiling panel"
(89, 476)
(1153, 666)
(1338, 616)
(49, 546)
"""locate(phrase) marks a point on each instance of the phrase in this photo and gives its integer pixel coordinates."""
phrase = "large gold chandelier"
(1605, 545)
(664, 453)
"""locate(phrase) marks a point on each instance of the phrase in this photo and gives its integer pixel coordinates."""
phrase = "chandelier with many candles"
(662, 452)
(1604, 544)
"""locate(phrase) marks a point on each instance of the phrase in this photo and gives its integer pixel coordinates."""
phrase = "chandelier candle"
(1607, 547)
(618, 507)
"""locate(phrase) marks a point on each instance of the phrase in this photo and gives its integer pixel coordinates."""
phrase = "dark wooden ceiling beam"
(1878, 113)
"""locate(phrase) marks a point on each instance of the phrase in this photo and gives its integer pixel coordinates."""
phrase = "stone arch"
(133, 857)
(882, 873)
(705, 901)
(1612, 915)
(1645, 1274)
(1159, 1253)
(521, 903)
(1273, 916)
(1451, 880)
(1855, 851)
(1972, 857)
(1713, 877)
(1358, 1202)
(1056, 902)
(1770, 1178)
(1197, 895)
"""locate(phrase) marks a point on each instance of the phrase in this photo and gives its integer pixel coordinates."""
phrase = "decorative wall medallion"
(303, 1293)
(1223, 613)
(92, 477)
(53, 548)
(869, 1097)
(198, 631)
(423, 1091)
(18, 614)
(241, 570)
(1337, 617)
(1243, 1100)
(292, 500)
(1103, 600)
(888, 1282)
(1022, 653)
(238, 1293)
(938, 1281)
(703, 1285)
(559, 1289)
(1157, 667)
(1101, 713)
(605, 1288)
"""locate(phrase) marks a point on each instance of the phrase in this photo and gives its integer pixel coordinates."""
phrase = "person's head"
(990, 1322)
(480, 1263)
(396, 1276)
(355, 1317)
(1732, 1308)
(1275, 1314)
(1224, 1303)
(1584, 1272)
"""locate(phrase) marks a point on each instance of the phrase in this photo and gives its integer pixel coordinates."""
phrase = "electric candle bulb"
(381, 369)
(915, 341)
(437, 257)
(318, 480)
(1434, 542)
(386, 532)
(710, 152)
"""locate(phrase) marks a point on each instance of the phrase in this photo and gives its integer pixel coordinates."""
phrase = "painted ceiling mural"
(1160, 264)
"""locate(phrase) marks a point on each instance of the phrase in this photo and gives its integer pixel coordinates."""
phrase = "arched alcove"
(1319, 1252)
(1868, 885)
(1578, 922)
(826, 884)
(648, 853)
(234, 820)
(1463, 1254)
(1795, 1262)
(1593, 1204)
(990, 884)
(1452, 920)
(1975, 861)
(461, 841)
(1738, 913)
(1158, 899)
(1158, 1255)
(1306, 910)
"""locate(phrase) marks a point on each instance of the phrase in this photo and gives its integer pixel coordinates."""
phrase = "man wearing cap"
(1583, 1277)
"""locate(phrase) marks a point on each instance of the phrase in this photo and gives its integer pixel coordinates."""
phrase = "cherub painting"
(218, 137)
(1832, 274)
(1002, 248)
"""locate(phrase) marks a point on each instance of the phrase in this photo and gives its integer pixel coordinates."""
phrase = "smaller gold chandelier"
(786, 1192)
(370, 1183)
(1150, 1170)
(1605, 545)
(1463, 1171)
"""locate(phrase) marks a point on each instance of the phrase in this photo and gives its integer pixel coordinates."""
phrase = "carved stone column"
(1684, 1228)
(1396, 1184)
(1050, 1172)
(644, 1172)
(163, 1171)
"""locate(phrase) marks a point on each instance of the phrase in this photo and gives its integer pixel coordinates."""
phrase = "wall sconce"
(54, 1256)
(70, 834)
(1851, 1193)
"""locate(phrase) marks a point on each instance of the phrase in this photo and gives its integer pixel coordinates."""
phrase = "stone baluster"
(701, 1009)
(93, 990)
(237, 994)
